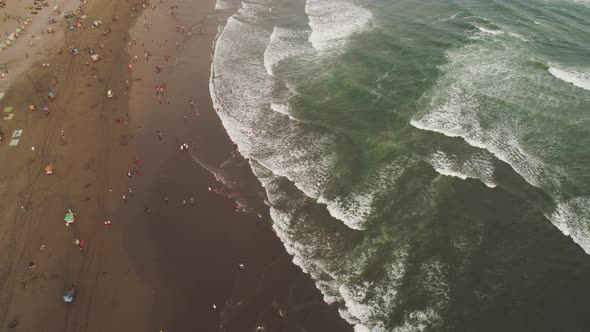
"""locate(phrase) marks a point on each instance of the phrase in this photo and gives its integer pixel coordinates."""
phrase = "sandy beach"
(40, 35)
(172, 240)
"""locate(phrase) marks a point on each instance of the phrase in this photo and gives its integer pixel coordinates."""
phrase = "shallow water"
(427, 165)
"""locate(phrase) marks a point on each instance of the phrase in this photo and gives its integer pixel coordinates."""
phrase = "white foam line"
(571, 217)
(519, 36)
(493, 150)
(285, 43)
(280, 108)
(478, 167)
(333, 21)
(490, 32)
(576, 78)
(367, 305)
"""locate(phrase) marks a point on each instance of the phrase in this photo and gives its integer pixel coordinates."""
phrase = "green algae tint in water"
(427, 164)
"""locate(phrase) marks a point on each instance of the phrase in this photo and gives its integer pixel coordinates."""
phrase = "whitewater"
(420, 164)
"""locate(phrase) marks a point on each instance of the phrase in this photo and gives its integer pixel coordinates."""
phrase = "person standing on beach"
(193, 105)
(80, 244)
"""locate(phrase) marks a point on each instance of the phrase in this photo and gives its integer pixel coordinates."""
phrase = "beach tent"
(3, 45)
(95, 57)
(12, 36)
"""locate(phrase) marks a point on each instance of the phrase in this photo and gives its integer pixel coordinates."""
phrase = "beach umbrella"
(3, 46)
(8, 42)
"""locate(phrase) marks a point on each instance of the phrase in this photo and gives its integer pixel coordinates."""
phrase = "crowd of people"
(161, 93)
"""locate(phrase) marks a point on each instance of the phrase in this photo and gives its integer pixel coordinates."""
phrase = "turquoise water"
(427, 164)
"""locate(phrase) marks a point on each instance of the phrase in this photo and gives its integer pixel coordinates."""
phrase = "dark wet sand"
(199, 249)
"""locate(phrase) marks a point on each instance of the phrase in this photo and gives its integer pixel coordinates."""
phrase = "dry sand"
(32, 44)
(89, 161)
(176, 268)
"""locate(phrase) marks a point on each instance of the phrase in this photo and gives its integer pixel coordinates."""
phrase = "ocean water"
(426, 163)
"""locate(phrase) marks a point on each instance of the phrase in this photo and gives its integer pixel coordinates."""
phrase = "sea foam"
(581, 79)
(337, 264)
(477, 167)
(333, 21)
(571, 217)
(243, 89)
(485, 97)
(284, 43)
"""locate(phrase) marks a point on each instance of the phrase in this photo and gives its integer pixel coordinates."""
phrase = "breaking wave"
(333, 21)
(492, 98)
(576, 78)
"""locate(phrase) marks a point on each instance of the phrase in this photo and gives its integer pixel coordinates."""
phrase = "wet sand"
(201, 247)
(176, 268)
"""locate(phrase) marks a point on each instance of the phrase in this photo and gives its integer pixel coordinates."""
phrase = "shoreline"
(226, 236)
